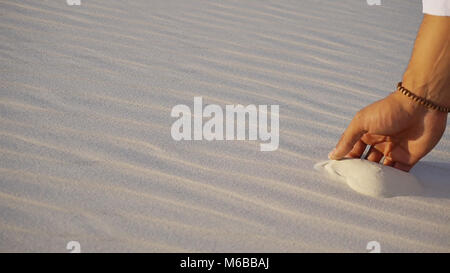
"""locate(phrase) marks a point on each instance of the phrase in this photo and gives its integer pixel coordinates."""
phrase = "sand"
(372, 179)
(86, 153)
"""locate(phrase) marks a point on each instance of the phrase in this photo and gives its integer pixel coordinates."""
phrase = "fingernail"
(331, 153)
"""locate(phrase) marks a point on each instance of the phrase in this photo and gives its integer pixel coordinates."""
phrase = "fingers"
(375, 139)
(348, 139)
(398, 165)
(403, 167)
(374, 155)
(403, 156)
(403, 160)
(354, 140)
(388, 162)
(357, 150)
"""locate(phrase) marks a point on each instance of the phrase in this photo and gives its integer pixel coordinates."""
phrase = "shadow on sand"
(435, 178)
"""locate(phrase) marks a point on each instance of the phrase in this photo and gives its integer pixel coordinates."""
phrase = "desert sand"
(86, 152)
(371, 178)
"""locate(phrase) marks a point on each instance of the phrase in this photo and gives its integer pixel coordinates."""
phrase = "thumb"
(352, 134)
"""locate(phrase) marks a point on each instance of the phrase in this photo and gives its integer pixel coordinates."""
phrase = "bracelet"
(421, 100)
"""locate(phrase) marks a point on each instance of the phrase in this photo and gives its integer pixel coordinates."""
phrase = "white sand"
(370, 178)
(86, 153)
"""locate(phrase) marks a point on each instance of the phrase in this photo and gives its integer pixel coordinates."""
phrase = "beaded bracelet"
(421, 100)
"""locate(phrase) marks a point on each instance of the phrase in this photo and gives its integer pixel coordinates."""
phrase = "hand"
(398, 128)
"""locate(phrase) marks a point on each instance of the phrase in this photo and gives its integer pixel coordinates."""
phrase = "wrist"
(436, 91)
(406, 104)
(413, 104)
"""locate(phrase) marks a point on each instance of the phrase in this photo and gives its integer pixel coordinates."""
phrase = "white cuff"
(436, 7)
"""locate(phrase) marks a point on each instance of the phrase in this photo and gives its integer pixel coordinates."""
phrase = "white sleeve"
(436, 7)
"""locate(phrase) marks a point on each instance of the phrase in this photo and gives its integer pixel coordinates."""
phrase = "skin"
(398, 128)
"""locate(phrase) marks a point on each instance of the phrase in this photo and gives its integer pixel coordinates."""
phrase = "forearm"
(428, 72)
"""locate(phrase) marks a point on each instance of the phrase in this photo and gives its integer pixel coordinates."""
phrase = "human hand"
(397, 128)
